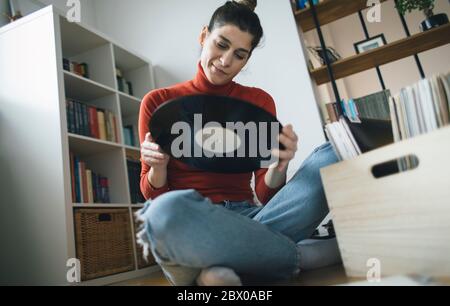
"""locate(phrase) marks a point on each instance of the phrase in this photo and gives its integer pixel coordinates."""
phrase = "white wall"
(87, 8)
(167, 33)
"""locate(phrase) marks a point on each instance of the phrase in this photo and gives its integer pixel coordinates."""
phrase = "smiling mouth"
(219, 70)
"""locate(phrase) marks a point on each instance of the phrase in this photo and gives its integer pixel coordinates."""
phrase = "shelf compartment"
(329, 11)
(77, 40)
(386, 54)
(82, 46)
(83, 145)
(129, 105)
(84, 89)
(134, 70)
(99, 156)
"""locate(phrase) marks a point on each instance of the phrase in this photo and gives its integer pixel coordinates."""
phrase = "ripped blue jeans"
(186, 232)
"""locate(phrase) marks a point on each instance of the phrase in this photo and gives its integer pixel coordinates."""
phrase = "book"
(90, 194)
(420, 108)
(101, 124)
(332, 113)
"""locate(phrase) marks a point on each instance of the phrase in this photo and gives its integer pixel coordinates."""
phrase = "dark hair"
(239, 13)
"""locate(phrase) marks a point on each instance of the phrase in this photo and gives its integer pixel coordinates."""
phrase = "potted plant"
(427, 7)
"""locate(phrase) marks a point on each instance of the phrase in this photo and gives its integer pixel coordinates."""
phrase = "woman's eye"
(222, 46)
(239, 56)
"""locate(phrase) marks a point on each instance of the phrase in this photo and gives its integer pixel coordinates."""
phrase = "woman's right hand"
(152, 154)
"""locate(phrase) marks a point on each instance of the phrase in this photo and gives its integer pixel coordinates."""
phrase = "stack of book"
(87, 186)
(342, 140)
(74, 67)
(379, 119)
(374, 106)
(86, 120)
(364, 124)
(421, 108)
(134, 174)
(123, 85)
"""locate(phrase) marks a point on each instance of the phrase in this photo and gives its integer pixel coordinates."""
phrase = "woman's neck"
(202, 83)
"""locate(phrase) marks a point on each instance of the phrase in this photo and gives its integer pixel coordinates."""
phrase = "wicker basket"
(103, 242)
(140, 258)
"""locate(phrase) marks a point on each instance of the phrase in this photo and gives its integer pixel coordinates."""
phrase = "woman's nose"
(226, 59)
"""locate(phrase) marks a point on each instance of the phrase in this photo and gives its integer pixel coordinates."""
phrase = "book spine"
(77, 179)
(101, 123)
(84, 182)
(89, 186)
(93, 125)
(72, 177)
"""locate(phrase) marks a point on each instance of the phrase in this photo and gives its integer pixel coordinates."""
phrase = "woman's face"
(225, 52)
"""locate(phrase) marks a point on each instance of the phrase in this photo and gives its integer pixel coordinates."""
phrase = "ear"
(203, 35)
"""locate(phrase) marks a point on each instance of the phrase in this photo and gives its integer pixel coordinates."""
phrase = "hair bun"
(250, 4)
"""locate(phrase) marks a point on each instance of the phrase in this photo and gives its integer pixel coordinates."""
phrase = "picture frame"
(369, 44)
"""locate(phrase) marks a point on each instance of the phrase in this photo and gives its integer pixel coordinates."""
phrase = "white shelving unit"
(35, 143)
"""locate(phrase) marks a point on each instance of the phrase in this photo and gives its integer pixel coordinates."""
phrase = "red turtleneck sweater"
(217, 187)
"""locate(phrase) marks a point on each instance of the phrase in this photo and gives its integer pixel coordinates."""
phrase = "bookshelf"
(329, 11)
(313, 18)
(386, 54)
(36, 88)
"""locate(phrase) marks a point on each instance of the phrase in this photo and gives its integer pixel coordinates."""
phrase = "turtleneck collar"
(202, 83)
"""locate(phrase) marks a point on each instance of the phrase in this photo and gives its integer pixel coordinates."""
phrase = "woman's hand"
(289, 139)
(152, 154)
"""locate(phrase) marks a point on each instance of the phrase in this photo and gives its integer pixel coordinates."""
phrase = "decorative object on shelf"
(318, 56)
(4, 13)
(79, 69)
(123, 84)
(427, 7)
(12, 15)
(369, 44)
(314, 60)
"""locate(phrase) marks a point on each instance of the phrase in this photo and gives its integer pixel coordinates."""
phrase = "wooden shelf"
(329, 11)
(386, 54)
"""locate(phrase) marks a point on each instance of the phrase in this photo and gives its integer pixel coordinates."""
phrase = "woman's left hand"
(289, 139)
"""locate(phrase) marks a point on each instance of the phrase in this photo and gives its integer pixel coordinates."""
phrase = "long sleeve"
(148, 106)
(264, 192)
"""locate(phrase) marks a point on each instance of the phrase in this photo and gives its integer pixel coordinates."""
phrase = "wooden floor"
(330, 276)
(323, 277)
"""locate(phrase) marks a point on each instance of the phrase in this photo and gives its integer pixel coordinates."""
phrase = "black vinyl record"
(216, 133)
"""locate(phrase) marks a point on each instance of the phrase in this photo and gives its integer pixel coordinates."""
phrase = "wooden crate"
(402, 220)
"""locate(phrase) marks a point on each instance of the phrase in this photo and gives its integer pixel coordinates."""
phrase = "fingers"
(151, 146)
(154, 155)
(148, 137)
(154, 162)
(288, 142)
(288, 131)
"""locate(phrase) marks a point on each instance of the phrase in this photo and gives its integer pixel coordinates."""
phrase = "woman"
(205, 228)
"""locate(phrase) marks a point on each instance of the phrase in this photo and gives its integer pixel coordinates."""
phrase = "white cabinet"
(37, 208)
